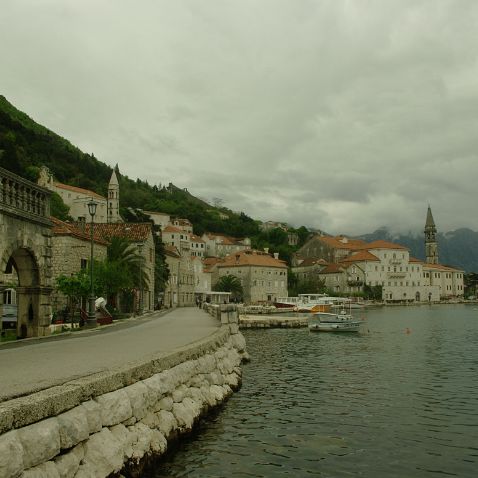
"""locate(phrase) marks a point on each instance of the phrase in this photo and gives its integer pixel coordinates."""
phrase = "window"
(84, 263)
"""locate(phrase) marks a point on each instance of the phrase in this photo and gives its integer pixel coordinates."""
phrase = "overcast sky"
(345, 115)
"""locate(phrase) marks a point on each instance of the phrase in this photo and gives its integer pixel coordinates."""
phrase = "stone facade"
(263, 277)
(86, 433)
(26, 250)
(71, 252)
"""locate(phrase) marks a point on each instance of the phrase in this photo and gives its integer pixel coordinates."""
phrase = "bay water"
(398, 399)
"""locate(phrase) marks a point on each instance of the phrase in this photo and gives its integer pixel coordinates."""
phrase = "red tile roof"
(134, 232)
(171, 251)
(75, 189)
(441, 267)
(342, 242)
(311, 261)
(332, 269)
(61, 228)
(172, 229)
(383, 245)
(362, 256)
(195, 238)
(252, 258)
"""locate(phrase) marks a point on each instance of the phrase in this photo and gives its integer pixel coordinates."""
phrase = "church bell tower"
(113, 199)
(431, 244)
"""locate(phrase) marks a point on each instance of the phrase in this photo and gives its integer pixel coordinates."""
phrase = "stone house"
(180, 288)
(71, 252)
(219, 245)
(263, 276)
(308, 268)
(77, 199)
(141, 236)
(198, 246)
(328, 248)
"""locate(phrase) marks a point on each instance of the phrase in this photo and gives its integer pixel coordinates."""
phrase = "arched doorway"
(22, 273)
(417, 296)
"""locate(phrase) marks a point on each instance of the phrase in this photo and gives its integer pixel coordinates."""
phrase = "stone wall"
(107, 423)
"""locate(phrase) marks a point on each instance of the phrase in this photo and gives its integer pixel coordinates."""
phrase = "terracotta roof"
(252, 258)
(195, 238)
(361, 256)
(383, 245)
(134, 232)
(171, 251)
(172, 229)
(75, 189)
(61, 228)
(212, 261)
(227, 240)
(342, 242)
(332, 269)
(441, 267)
(311, 261)
(414, 259)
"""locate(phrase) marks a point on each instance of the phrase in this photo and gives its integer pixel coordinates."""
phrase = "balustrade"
(22, 195)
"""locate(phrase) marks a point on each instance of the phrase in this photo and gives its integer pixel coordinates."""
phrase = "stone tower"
(431, 244)
(113, 198)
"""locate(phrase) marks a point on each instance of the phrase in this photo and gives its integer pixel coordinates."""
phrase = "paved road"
(40, 364)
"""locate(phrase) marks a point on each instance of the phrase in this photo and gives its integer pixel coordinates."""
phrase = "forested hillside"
(25, 146)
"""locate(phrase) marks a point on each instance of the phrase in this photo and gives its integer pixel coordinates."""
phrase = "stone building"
(219, 245)
(71, 252)
(141, 236)
(180, 287)
(263, 276)
(198, 246)
(77, 198)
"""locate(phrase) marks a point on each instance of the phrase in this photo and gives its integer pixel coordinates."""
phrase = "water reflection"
(384, 403)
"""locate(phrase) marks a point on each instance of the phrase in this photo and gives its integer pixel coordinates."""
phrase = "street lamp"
(91, 321)
(140, 250)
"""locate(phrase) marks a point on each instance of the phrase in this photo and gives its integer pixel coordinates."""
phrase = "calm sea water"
(385, 403)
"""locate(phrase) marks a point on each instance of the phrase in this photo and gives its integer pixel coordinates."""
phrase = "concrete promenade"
(34, 365)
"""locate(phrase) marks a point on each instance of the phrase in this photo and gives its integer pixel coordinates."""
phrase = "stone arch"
(31, 294)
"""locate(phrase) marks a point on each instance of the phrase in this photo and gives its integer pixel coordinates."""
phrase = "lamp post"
(91, 322)
(140, 250)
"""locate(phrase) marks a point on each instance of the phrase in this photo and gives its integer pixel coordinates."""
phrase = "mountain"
(457, 248)
(26, 145)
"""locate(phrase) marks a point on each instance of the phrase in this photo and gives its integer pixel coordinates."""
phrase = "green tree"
(74, 288)
(230, 283)
(58, 208)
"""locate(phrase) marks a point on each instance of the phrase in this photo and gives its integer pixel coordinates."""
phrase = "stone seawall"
(99, 425)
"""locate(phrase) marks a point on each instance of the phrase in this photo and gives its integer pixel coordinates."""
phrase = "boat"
(334, 322)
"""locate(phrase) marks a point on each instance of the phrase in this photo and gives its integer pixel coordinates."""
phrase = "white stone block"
(73, 427)
(166, 403)
(125, 438)
(67, 464)
(159, 444)
(151, 420)
(184, 416)
(142, 444)
(103, 453)
(179, 393)
(45, 470)
(11, 455)
(167, 422)
(40, 441)
(138, 397)
(115, 407)
(93, 415)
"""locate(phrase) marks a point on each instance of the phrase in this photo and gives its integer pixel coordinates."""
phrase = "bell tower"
(113, 198)
(431, 244)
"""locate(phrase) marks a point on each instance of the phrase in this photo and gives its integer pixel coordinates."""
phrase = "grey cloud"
(341, 115)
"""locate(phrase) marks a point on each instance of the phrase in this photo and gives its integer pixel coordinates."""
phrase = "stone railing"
(23, 198)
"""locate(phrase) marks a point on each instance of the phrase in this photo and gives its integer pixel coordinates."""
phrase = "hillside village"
(340, 265)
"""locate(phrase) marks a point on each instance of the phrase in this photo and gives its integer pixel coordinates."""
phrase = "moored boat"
(330, 322)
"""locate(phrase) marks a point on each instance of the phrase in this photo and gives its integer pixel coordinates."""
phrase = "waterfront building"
(263, 276)
(141, 236)
(308, 268)
(71, 253)
(180, 287)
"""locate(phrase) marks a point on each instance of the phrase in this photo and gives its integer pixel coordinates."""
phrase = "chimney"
(276, 255)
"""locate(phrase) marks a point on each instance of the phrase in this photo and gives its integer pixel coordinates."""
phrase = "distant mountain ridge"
(457, 248)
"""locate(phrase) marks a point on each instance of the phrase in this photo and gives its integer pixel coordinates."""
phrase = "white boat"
(330, 322)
